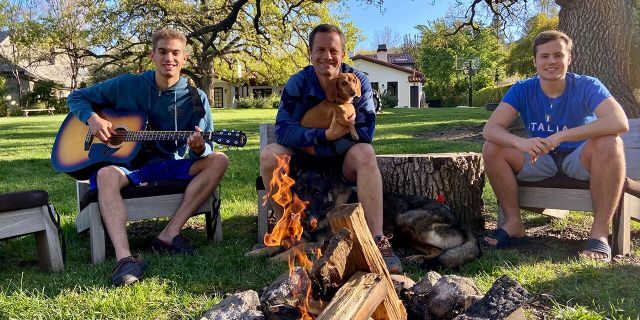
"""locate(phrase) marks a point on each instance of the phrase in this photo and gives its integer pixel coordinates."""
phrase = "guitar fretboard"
(162, 135)
(224, 137)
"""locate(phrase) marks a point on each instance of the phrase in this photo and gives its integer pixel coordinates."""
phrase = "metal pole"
(470, 88)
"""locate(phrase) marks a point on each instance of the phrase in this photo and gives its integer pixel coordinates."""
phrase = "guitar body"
(69, 152)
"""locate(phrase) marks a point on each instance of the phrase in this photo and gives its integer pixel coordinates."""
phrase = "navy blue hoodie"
(139, 92)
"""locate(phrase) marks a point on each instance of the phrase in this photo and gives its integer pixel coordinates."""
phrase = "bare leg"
(114, 213)
(207, 174)
(360, 165)
(268, 162)
(606, 183)
(500, 163)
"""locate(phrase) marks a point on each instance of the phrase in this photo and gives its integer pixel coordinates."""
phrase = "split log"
(459, 177)
(366, 257)
(264, 251)
(281, 298)
(328, 272)
(356, 299)
(307, 248)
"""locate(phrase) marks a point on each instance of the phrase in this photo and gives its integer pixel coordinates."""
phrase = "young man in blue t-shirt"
(333, 146)
(573, 124)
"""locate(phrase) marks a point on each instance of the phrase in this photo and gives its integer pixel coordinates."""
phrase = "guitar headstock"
(231, 138)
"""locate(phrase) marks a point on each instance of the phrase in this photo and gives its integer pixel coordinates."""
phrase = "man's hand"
(196, 141)
(337, 131)
(101, 128)
(535, 147)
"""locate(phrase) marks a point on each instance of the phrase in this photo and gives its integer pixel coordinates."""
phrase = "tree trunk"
(601, 31)
(459, 177)
(207, 71)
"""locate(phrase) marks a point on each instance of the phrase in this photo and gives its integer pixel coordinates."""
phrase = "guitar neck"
(139, 136)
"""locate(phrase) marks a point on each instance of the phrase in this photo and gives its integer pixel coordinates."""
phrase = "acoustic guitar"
(78, 153)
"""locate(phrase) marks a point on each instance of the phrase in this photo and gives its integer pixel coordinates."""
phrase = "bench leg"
(96, 235)
(263, 215)
(215, 212)
(621, 224)
(48, 245)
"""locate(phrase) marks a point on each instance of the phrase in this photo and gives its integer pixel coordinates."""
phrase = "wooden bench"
(556, 196)
(161, 199)
(29, 212)
(26, 111)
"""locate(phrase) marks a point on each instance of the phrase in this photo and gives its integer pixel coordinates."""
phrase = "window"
(262, 92)
(392, 88)
(374, 86)
(218, 98)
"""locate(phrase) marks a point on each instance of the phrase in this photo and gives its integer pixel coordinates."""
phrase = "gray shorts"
(545, 167)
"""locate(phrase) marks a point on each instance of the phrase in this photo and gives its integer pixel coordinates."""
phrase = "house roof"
(414, 75)
(8, 68)
(395, 58)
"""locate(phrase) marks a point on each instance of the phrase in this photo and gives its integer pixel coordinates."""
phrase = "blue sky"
(400, 15)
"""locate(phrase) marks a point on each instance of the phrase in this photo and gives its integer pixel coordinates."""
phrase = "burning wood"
(330, 271)
(365, 256)
(351, 228)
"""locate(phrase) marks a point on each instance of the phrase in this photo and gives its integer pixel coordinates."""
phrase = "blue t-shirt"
(544, 116)
(301, 93)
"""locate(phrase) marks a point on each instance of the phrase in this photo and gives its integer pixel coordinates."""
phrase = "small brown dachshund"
(339, 101)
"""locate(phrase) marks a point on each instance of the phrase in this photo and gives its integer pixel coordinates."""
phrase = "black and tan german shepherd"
(417, 222)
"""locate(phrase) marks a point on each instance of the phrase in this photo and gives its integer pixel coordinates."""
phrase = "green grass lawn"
(184, 287)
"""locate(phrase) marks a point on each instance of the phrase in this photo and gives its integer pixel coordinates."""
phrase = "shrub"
(388, 100)
(272, 101)
(3, 102)
(483, 96)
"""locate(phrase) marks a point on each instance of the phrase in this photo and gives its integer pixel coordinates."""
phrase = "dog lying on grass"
(429, 227)
(338, 104)
(423, 224)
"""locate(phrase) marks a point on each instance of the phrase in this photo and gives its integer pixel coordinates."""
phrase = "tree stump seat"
(459, 177)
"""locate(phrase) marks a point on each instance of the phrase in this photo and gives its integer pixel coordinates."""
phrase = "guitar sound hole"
(118, 139)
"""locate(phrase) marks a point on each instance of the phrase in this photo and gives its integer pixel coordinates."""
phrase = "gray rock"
(504, 298)
(238, 306)
(447, 297)
(426, 283)
(401, 283)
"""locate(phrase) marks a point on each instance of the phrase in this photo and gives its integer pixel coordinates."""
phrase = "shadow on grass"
(609, 289)
(218, 267)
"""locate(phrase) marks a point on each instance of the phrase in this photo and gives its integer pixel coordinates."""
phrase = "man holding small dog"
(334, 145)
(573, 124)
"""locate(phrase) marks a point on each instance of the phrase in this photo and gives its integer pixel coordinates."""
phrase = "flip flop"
(504, 239)
(598, 246)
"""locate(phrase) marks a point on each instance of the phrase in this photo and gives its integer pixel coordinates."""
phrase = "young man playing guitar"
(166, 100)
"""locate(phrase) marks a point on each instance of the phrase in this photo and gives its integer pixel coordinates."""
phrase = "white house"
(226, 94)
(393, 73)
(54, 68)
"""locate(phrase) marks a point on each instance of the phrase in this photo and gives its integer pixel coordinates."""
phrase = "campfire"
(351, 275)
(349, 280)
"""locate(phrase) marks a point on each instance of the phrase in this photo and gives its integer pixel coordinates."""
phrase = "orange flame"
(288, 230)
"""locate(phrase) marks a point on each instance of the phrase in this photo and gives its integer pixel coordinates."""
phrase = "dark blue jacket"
(301, 93)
